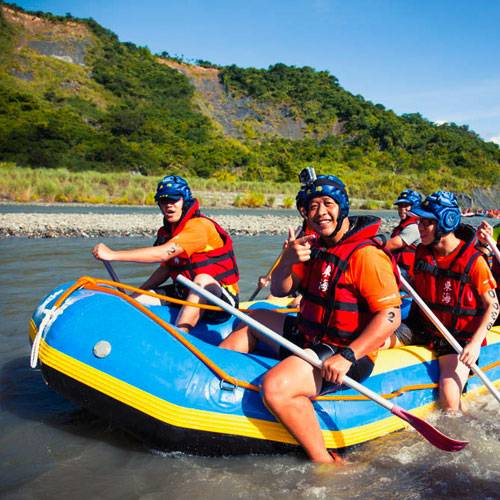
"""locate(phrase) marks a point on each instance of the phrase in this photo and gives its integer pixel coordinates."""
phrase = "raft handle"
(227, 386)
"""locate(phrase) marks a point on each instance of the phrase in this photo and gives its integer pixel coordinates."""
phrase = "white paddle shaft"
(301, 353)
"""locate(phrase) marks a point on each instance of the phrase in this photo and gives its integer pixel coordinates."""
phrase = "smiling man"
(190, 244)
(350, 306)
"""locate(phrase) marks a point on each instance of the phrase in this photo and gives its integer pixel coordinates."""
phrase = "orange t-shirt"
(198, 235)
(370, 272)
(481, 277)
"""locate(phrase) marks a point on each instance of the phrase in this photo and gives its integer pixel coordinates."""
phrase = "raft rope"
(81, 282)
(93, 284)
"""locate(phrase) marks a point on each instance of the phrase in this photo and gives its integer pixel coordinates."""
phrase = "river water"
(50, 448)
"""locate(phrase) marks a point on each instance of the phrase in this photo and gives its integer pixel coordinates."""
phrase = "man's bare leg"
(287, 390)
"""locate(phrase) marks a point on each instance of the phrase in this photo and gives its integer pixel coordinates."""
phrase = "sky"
(440, 58)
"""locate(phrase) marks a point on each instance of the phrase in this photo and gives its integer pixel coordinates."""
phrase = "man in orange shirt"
(457, 285)
(350, 305)
(189, 243)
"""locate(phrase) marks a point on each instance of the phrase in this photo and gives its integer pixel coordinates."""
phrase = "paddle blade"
(429, 432)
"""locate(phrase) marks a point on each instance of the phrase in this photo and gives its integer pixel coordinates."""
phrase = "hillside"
(241, 117)
(72, 95)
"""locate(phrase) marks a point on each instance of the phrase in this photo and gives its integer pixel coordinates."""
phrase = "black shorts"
(359, 371)
(442, 347)
(177, 291)
(409, 336)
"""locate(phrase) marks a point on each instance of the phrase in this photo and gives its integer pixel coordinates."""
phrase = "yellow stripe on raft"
(158, 408)
(199, 419)
(389, 360)
(210, 421)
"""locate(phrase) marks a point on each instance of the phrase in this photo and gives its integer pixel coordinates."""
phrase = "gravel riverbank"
(88, 225)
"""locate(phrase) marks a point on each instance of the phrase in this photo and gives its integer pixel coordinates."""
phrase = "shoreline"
(87, 225)
(95, 225)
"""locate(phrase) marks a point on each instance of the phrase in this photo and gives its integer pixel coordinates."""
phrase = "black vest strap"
(425, 267)
(455, 309)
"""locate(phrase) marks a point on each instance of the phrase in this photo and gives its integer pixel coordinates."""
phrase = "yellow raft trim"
(211, 421)
(412, 355)
(32, 331)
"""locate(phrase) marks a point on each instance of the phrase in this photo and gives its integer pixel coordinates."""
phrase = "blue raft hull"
(184, 393)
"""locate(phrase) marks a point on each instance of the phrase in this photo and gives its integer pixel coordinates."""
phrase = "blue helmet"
(325, 185)
(409, 196)
(175, 187)
(441, 206)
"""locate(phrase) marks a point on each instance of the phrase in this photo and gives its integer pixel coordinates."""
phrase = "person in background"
(350, 305)
(405, 236)
(190, 244)
(483, 232)
(264, 281)
(457, 285)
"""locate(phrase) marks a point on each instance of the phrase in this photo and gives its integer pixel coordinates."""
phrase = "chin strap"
(337, 228)
(437, 239)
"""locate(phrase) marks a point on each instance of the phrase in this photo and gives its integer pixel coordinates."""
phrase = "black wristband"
(347, 353)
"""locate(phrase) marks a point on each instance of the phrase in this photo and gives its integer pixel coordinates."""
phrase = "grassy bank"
(60, 185)
(367, 189)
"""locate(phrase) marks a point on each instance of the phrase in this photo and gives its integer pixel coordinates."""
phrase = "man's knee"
(274, 389)
(205, 280)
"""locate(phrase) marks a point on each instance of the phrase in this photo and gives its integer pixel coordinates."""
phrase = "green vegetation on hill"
(368, 135)
(314, 96)
(124, 112)
(121, 111)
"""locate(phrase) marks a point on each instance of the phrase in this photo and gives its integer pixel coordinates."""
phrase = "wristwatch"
(347, 353)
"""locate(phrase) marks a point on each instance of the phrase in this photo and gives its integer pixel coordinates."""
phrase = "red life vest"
(405, 255)
(449, 292)
(219, 263)
(332, 310)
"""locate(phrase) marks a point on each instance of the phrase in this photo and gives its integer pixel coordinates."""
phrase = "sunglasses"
(426, 222)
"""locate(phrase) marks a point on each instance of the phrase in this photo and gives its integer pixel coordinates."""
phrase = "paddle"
(447, 335)
(299, 232)
(434, 436)
(111, 272)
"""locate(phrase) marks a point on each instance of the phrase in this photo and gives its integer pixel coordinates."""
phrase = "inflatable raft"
(128, 364)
